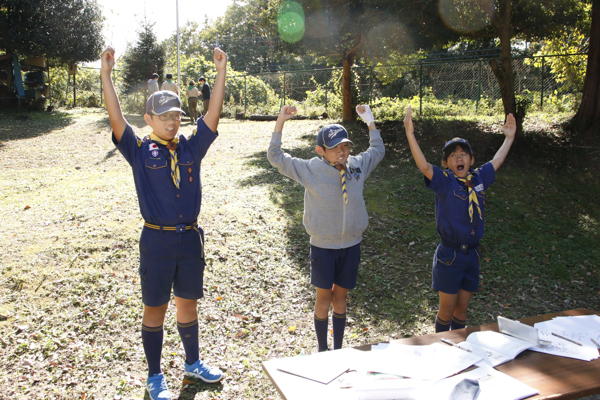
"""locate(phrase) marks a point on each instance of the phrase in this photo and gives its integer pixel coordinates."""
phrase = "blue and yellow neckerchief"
(342, 169)
(472, 196)
(172, 146)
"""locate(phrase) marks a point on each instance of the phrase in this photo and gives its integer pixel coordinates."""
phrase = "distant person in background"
(192, 96)
(205, 89)
(170, 85)
(153, 84)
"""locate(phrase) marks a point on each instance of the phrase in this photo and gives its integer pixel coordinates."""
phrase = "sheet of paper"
(321, 367)
(500, 343)
(586, 322)
(384, 389)
(578, 328)
(432, 362)
(490, 357)
(570, 328)
(493, 385)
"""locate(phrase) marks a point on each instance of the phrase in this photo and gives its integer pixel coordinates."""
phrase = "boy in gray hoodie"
(335, 215)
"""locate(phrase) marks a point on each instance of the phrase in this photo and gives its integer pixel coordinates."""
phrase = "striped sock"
(441, 325)
(339, 324)
(152, 339)
(456, 323)
(189, 337)
(321, 325)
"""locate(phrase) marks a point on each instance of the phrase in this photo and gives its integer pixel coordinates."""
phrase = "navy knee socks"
(189, 337)
(152, 339)
(321, 325)
(441, 325)
(339, 324)
(457, 323)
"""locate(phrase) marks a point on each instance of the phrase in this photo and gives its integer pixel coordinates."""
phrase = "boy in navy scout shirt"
(459, 215)
(166, 171)
(335, 215)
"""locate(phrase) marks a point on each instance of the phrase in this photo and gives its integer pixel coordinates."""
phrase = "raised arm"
(509, 129)
(216, 100)
(286, 113)
(115, 115)
(365, 113)
(425, 167)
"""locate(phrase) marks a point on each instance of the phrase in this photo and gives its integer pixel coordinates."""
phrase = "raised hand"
(510, 127)
(107, 59)
(365, 113)
(220, 59)
(408, 122)
(288, 112)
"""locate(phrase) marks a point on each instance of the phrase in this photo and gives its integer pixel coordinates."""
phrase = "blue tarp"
(17, 76)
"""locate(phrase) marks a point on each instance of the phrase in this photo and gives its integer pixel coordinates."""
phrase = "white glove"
(367, 116)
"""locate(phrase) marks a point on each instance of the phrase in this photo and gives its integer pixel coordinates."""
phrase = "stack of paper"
(578, 336)
(495, 348)
(394, 371)
(431, 363)
(493, 385)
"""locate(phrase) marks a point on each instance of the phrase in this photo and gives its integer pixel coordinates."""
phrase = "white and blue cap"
(331, 136)
(162, 102)
(455, 141)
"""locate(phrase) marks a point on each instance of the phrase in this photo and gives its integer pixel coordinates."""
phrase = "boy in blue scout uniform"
(335, 215)
(459, 215)
(166, 171)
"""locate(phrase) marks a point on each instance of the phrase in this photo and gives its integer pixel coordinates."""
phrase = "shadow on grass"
(136, 121)
(190, 391)
(25, 125)
(539, 206)
(382, 280)
(108, 155)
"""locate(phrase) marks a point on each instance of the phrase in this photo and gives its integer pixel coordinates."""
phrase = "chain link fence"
(317, 92)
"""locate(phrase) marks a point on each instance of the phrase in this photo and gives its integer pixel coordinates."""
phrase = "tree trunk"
(347, 114)
(587, 119)
(504, 72)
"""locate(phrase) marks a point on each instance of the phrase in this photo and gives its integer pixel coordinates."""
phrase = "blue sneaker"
(204, 372)
(157, 387)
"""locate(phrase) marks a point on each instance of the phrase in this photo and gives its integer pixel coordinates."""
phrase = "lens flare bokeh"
(388, 37)
(290, 21)
(464, 16)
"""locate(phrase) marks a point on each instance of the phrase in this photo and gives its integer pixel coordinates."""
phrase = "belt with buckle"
(457, 246)
(181, 228)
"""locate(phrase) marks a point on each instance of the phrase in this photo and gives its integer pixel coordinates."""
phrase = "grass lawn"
(70, 308)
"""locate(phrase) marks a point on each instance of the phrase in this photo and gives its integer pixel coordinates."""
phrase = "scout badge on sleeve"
(153, 149)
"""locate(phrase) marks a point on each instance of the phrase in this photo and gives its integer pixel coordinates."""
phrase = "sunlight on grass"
(588, 224)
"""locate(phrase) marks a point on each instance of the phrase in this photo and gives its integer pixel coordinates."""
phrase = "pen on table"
(566, 338)
(596, 343)
(451, 343)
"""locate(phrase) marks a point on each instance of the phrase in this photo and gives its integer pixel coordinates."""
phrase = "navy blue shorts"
(334, 266)
(455, 269)
(169, 259)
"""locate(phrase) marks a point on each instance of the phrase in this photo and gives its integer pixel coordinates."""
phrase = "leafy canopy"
(65, 31)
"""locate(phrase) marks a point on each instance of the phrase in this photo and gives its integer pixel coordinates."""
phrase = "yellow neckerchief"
(342, 169)
(172, 146)
(472, 196)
